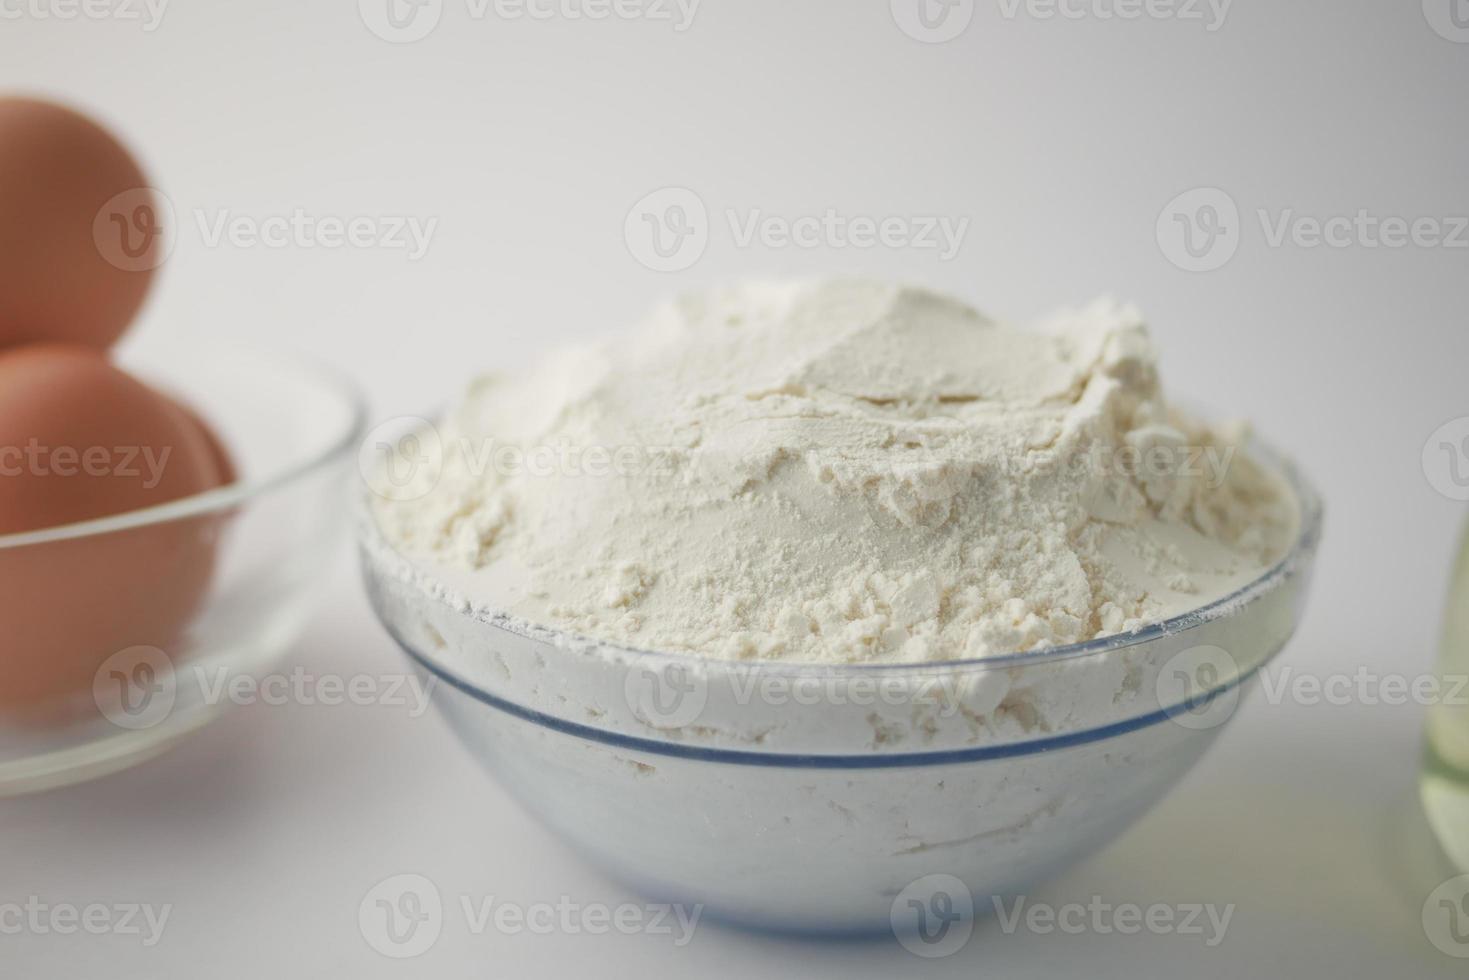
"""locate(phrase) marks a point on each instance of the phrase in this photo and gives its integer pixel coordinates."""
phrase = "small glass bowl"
(291, 429)
(847, 799)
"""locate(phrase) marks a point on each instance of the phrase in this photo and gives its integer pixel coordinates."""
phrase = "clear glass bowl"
(1444, 782)
(291, 429)
(831, 799)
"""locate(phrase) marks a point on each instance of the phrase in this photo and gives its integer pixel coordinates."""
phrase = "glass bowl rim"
(323, 376)
(1311, 517)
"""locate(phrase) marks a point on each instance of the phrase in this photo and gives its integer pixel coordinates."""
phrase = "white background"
(1061, 140)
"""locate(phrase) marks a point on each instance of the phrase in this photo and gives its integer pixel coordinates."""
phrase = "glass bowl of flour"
(834, 606)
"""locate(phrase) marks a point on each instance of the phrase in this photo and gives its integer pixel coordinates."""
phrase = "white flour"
(841, 471)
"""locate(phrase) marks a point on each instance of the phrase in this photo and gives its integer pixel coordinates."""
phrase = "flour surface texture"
(841, 472)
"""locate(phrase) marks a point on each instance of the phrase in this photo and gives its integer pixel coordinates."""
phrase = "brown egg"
(224, 463)
(80, 232)
(79, 440)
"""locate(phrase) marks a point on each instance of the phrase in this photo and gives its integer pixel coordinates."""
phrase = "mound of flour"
(840, 471)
